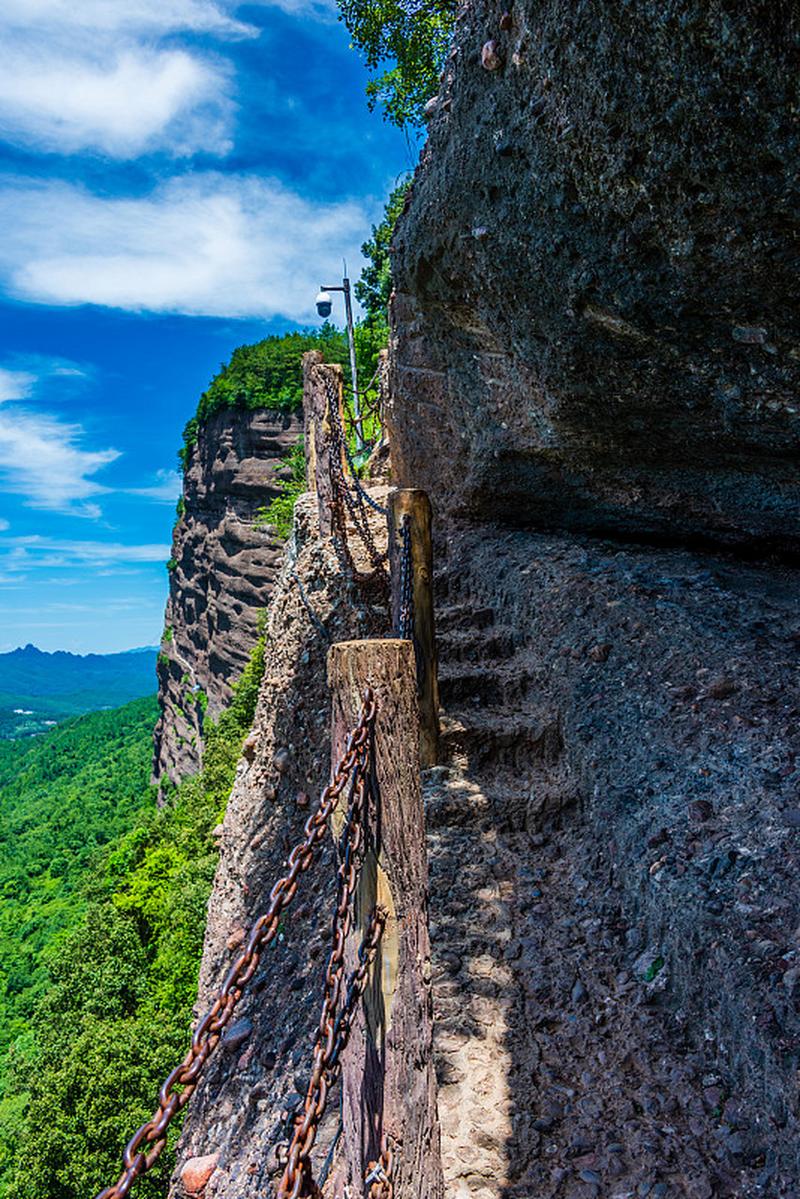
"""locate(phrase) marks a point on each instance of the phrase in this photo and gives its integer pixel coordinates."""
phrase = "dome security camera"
(324, 304)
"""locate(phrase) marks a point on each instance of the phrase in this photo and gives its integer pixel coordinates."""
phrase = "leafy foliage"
(268, 374)
(280, 512)
(375, 285)
(412, 40)
(117, 976)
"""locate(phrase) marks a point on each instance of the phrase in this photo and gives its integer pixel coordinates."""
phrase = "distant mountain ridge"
(38, 689)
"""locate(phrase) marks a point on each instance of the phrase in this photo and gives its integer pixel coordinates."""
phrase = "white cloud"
(132, 16)
(165, 489)
(99, 76)
(202, 244)
(37, 552)
(41, 457)
(111, 76)
(122, 104)
(15, 385)
(4, 525)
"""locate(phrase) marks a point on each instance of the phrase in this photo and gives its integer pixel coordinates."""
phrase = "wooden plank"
(411, 503)
(388, 1077)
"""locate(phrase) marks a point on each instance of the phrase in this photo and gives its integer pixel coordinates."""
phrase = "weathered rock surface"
(596, 324)
(613, 842)
(224, 570)
(614, 871)
(241, 1110)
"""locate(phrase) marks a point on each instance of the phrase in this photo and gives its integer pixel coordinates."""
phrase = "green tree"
(412, 40)
(375, 285)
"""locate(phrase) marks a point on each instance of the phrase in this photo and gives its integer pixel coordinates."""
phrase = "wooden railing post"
(317, 374)
(388, 1078)
(415, 504)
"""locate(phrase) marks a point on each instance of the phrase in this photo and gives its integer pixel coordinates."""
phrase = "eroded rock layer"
(596, 323)
(224, 563)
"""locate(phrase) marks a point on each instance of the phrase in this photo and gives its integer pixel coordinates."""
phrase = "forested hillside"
(38, 689)
(100, 937)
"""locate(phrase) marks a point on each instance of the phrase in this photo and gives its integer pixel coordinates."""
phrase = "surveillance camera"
(324, 304)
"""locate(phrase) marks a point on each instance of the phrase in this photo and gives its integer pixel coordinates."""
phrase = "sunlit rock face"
(596, 319)
(224, 564)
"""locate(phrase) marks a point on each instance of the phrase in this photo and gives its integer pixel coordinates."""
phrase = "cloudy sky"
(176, 177)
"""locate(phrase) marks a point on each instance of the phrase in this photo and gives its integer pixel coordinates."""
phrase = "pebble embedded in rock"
(282, 759)
(599, 653)
(700, 810)
(721, 688)
(197, 1171)
(430, 108)
(750, 335)
(578, 992)
(506, 21)
(237, 1034)
(491, 57)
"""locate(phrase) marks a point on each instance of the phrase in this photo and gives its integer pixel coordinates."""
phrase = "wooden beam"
(388, 1078)
(415, 506)
(318, 376)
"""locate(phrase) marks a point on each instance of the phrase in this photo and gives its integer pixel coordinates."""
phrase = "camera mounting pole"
(348, 305)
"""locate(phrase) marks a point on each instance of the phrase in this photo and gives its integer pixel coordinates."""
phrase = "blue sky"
(176, 177)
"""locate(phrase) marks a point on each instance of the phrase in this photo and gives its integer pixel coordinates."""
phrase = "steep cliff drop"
(224, 563)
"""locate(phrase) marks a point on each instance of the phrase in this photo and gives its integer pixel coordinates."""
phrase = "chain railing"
(149, 1141)
(348, 499)
(354, 770)
(405, 622)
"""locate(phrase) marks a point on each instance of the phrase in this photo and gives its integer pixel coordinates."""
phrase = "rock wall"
(238, 1119)
(596, 319)
(223, 569)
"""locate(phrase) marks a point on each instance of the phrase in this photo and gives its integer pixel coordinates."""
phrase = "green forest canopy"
(268, 374)
(100, 943)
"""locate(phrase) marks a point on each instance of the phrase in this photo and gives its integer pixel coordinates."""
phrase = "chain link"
(379, 1173)
(405, 623)
(333, 1031)
(332, 1037)
(149, 1141)
(348, 500)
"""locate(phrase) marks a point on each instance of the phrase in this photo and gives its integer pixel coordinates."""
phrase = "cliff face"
(595, 324)
(594, 336)
(223, 568)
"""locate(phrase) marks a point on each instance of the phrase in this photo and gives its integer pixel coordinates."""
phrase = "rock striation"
(223, 566)
(595, 324)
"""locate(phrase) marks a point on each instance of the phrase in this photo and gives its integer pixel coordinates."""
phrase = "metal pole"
(353, 370)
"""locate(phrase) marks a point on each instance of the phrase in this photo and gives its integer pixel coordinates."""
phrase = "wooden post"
(317, 374)
(416, 505)
(388, 1077)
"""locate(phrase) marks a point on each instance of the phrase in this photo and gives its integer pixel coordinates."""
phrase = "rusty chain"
(333, 1030)
(148, 1142)
(405, 621)
(379, 1173)
(332, 1036)
(348, 500)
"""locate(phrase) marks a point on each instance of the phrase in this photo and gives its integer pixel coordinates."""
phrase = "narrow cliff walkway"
(560, 1072)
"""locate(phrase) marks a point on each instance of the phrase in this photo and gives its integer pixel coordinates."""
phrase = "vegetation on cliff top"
(98, 1002)
(268, 374)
